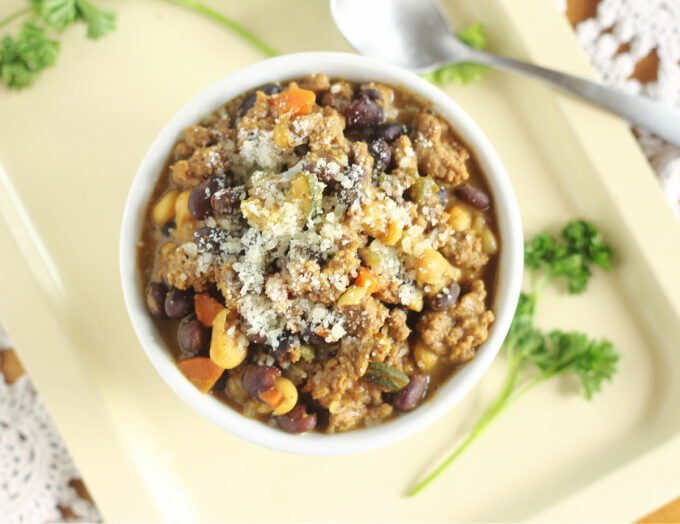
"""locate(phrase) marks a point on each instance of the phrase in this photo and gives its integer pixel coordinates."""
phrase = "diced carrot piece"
(207, 308)
(272, 396)
(369, 280)
(295, 101)
(201, 372)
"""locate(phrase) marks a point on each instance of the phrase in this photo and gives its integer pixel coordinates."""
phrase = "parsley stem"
(235, 27)
(15, 15)
(495, 409)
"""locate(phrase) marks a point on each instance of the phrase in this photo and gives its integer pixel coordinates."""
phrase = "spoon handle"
(661, 119)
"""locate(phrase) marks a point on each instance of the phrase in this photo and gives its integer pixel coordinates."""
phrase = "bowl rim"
(357, 68)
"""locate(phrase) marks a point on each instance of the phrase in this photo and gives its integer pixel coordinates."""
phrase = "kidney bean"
(209, 239)
(473, 196)
(257, 379)
(363, 111)
(227, 199)
(155, 299)
(445, 298)
(389, 131)
(382, 155)
(199, 203)
(373, 94)
(297, 420)
(168, 227)
(410, 396)
(192, 336)
(249, 101)
(179, 302)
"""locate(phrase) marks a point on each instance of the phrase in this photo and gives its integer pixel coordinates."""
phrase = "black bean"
(254, 337)
(311, 337)
(373, 94)
(179, 302)
(168, 227)
(389, 131)
(410, 396)
(320, 166)
(443, 196)
(473, 196)
(280, 351)
(270, 89)
(249, 101)
(257, 379)
(382, 155)
(301, 150)
(362, 112)
(227, 199)
(192, 336)
(445, 298)
(155, 299)
(209, 239)
(297, 420)
(199, 201)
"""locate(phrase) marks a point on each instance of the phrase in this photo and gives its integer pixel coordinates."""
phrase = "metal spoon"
(415, 35)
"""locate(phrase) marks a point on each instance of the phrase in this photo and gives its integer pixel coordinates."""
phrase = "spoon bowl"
(412, 34)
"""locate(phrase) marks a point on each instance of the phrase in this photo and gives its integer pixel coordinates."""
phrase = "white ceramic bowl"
(352, 67)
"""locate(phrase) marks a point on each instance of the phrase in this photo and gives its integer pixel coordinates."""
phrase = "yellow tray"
(70, 147)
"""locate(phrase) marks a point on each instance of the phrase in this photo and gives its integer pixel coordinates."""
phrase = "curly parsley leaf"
(59, 14)
(23, 58)
(558, 352)
(592, 361)
(464, 72)
(580, 246)
(582, 237)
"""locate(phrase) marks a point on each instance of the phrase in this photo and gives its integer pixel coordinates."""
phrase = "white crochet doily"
(645, 26)
(35, 467)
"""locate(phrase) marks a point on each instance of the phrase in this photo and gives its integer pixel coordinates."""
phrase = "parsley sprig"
(24, 57)
(579, 248)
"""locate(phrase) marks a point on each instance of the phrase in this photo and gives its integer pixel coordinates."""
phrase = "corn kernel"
(459, 218)
(168, 248)
(416, 303)
(182, 207)
(393, 234)
(164, 210)
(425, 359)
(489, 242)
(352, 296)
(432, 267)
(374, 221)
(280, 133)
